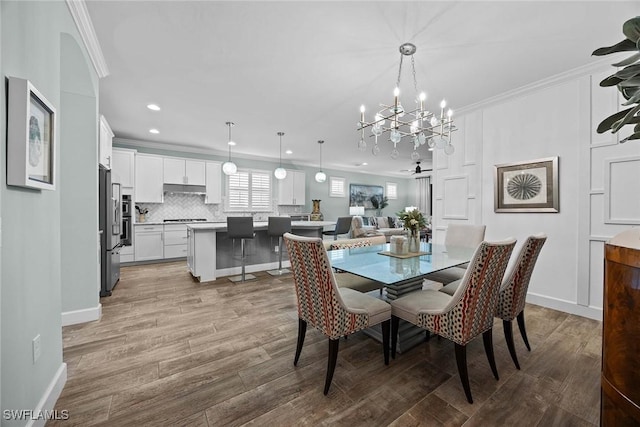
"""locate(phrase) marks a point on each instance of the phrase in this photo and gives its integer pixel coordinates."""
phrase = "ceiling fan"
(417, 170)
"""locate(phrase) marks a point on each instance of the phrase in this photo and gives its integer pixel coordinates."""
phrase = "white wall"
(596, 175)
(31, 260)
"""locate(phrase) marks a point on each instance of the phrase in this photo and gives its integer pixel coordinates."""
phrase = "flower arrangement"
(412, 220)
(142, 211)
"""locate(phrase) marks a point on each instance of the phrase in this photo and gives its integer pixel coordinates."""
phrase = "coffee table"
(400, 276)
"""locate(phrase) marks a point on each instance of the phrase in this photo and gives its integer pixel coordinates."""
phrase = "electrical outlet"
(276, 249)
(37, 349)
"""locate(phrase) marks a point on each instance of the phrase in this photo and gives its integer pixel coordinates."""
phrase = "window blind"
(249, 190)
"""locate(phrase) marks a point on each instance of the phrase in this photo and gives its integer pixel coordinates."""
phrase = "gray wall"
(31, 277)
(331, 207)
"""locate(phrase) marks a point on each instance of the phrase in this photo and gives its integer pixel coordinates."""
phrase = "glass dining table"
(400, 275)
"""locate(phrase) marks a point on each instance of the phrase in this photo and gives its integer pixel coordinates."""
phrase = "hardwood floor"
(171, 351)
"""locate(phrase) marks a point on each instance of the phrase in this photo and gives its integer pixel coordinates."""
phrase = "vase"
(316, 215)
(414, 241)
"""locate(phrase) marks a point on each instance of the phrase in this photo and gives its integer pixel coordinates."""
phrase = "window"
(249, 191)
(336, 187)
(392, 190)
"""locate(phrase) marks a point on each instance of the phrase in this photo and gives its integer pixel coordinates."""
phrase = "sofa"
(352, 281)
(372, 226)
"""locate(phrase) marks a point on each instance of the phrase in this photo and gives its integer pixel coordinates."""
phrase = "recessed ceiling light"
(365, 164)
(153, 107)
(289, 152)
(231, 143)
(154, 131)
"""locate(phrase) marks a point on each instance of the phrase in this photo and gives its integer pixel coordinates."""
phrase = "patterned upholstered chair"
(459, 235)
(466, 314)
(334, 312)
(513, 291)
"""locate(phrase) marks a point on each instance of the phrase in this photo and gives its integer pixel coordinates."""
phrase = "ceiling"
(305, 67)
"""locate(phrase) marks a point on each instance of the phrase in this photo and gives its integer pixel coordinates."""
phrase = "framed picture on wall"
(530, 186)
(30, 137)
(360, 195)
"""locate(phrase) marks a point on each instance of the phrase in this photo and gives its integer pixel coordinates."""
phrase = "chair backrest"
(319, 302)
(278, 225)
(464, 235)
(240, 227)
(473, 305)
(513, 291)
(343, 225)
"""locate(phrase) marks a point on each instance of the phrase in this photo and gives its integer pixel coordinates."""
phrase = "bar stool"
(240, 227)
(277, 226)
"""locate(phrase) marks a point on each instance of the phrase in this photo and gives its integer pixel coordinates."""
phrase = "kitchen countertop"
(222, 226)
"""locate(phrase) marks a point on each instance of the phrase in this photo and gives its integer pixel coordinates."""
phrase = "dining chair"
(513, 291)
(343, 225)
(465, 315)
(459, 236)
(335, 312)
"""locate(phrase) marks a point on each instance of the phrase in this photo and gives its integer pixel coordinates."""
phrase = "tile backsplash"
(180, 206)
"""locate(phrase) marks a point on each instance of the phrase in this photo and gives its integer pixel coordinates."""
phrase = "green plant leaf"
(631, 29)
(630, 60)
(635, 135)
(624, 46)
(631, 94)
(611, 81)
(626, 119)
(630, 82)
(607, 123)
(630, 71)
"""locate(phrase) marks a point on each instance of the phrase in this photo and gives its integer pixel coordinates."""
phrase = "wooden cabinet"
(149, 175)
(620, 402)
(149, 242)
(291, 190)
(105, 140)
(214, 183)
(123, 168)
(175, 240)
(184, 171)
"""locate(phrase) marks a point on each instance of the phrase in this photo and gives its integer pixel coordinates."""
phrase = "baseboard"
(570, 307)
(44, 410)
(82, 316)
(233, 271)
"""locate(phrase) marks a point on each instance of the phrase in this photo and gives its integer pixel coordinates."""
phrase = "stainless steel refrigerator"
(110, 214)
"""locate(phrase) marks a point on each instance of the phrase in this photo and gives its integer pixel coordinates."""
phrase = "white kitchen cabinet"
(291, 190)
(105, 140)
(201, 253)
(175, 240)
(184, 171)
(149, 175)
(123, 168)
(149, 242)
(214, 183)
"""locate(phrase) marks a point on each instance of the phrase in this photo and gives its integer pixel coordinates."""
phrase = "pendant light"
(321, 176)
(280, 172)
(228, 167)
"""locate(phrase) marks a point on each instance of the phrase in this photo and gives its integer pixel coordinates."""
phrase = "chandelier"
(419, 125)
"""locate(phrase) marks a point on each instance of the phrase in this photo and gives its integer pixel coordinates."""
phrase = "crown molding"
(595, 66)
(80, 15)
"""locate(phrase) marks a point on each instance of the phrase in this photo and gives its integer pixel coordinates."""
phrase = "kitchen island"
(211, 254)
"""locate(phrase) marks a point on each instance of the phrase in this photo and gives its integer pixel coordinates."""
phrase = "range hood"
(185, 189)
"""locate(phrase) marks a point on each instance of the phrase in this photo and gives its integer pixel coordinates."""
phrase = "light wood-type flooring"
(171, 351)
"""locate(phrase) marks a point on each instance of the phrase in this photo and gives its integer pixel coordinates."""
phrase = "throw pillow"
(383, 222)
(392, 222)
(372, 221)
(349, 245)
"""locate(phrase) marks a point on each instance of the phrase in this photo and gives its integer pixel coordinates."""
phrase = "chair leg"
(523, 331)
(331, 364)
(487, 338)
(302, 330)
(242, 251)
(386, 326)
(461, 360)
(395, 321)
(508, 336)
